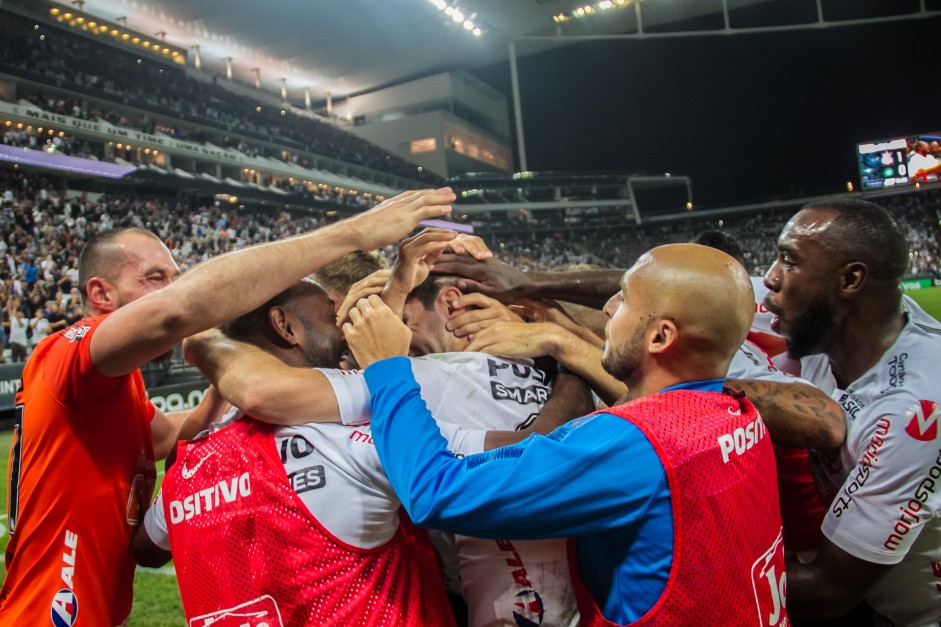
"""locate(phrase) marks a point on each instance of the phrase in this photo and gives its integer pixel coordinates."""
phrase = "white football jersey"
(762, 320)
(885, 482)
(504, 582)
(326, 464)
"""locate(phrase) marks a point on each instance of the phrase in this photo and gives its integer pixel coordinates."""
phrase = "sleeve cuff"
(352, 394)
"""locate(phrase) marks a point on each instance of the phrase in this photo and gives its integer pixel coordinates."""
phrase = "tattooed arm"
(796, 414)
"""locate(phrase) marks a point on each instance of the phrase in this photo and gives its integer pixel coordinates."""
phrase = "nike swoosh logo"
(189, 472)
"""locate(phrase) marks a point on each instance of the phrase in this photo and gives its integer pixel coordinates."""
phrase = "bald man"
(671, 495)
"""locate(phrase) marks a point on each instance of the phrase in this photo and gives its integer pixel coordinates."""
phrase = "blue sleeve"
(590, 475)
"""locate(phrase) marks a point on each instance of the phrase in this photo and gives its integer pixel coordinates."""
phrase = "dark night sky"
(748, 117)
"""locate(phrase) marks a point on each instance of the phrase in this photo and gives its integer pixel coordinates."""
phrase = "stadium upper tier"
(43, 62)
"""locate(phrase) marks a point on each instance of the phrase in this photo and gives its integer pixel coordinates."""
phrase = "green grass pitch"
(929, 299)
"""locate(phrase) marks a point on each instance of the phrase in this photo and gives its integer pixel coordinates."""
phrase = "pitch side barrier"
(180, 396)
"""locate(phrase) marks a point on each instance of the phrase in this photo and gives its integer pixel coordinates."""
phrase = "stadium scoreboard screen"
(901, 161)
(883, 164)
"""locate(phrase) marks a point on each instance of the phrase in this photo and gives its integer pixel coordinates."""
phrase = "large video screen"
(901, 161)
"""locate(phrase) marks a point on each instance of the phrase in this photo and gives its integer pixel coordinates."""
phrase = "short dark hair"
(427, 292)
(98, 258)
(720, 240)
(251, 324)
(864, 231)
(340, 274)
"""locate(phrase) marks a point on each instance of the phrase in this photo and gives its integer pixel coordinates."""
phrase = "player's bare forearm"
(260, 384)
(229, 285)
(591, 288)
(796, 414)
(146, 553)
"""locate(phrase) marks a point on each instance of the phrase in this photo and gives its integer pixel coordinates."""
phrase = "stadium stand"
(43, 227)
(82, 65)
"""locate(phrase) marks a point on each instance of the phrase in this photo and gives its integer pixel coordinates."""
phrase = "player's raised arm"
(230, 284)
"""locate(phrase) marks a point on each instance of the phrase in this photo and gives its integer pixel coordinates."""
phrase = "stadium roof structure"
(353, 46)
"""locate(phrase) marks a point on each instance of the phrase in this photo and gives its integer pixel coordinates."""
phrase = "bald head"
(686, 310)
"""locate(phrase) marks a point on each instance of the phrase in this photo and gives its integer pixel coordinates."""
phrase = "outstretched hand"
(416, 256)
(396, 217)
(491, 277)
(465, 244)
(375, 332)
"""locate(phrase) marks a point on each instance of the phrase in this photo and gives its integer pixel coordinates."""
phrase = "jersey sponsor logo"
(852, 405)
(865, 468)
(520, 371)
(198, 503)
(64, 608)
(923, 421)
(308, 479)
(188, 473)
(769, 582)
(896, 372)
(741, 440)
(911, 511)
(530, 611)
(76, 333)
(68, 558)
(260, 612)
(295, 447)
(523, 395)
(359, 436)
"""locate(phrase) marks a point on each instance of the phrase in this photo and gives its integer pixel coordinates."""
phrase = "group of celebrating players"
(495, 447)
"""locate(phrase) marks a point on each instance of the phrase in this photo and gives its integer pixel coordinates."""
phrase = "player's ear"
(101, 295)
(661, 336)
(448, 295)
(853, 277)
(281, 324)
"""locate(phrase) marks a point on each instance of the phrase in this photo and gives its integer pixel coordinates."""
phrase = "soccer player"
(835, 289)
(327, 544)
(477, 398)
(671, 496)
(82, 462)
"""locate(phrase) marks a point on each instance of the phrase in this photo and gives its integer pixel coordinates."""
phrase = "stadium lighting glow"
(117, 29)
(590, 9)
(452, 10)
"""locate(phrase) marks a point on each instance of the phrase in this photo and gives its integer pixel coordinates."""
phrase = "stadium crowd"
(43, 229)
(78, 62)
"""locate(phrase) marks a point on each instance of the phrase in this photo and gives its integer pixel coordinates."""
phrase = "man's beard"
(320, 350)
(621, 361)
(809, 330)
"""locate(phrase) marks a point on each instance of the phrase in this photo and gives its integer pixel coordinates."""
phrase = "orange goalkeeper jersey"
(81, 474)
